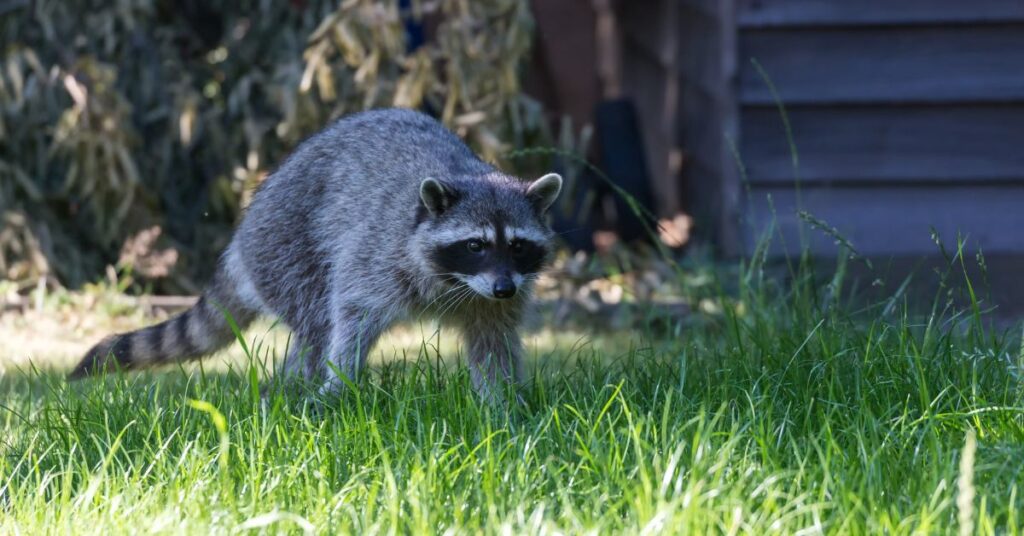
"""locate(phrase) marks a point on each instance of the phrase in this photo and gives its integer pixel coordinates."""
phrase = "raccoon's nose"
(504, 288)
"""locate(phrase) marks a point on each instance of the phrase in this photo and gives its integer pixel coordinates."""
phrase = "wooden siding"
(887, 65)
(887, 144)
(896, 220)
(815, 13)
(695, 54)
(649, 89)
(906, 116)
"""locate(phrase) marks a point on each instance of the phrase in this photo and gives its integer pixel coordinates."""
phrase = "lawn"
(777, 408)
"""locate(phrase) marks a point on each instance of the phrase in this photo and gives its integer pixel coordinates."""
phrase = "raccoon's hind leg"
(301, 366)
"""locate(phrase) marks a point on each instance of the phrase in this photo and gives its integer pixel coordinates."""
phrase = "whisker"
(448, 300)
(442, 274)
(427, 307)
(443, 294)
(456, 302)
(469, 296)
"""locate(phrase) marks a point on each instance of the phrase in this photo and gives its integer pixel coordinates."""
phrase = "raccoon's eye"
(475, 246)
(517, 246)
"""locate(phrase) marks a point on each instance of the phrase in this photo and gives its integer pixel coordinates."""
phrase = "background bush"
(118, 117)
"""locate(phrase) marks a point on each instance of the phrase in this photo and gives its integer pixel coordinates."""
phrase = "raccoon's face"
(489, 236)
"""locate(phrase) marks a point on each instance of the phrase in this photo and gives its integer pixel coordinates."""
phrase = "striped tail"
(199, 331)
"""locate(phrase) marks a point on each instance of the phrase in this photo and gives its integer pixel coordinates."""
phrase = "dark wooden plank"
(948, 64)
(704, 202)
(908, 143)
(795, 13)
(699, 45)
(894, 220)
(697, 38)
(647, 83)
(643, 27)
(702, 133)
(729, 235)
(716, 9)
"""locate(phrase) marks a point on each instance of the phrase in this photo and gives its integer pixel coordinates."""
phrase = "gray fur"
(338, 244)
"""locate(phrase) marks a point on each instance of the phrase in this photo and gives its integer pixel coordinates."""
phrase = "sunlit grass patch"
(787, 409)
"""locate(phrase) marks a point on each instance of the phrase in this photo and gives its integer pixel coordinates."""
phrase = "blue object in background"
(413, 28)
(415, 38)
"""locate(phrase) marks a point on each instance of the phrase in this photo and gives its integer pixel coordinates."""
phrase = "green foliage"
(788, 411)
(119, 116)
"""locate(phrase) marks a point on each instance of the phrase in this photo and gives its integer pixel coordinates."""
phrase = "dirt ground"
(56, 337)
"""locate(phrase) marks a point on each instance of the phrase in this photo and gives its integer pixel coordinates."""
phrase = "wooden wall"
(906, 115)
(685, 49)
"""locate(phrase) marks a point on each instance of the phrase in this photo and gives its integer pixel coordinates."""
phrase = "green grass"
(795, 410)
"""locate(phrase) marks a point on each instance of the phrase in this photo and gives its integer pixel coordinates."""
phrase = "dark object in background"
(623, 160)
(204, 22)
(414, 31)
(572, 217)
(577, 73)
(618, 133)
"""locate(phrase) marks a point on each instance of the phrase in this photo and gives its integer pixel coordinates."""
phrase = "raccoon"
(384, 215)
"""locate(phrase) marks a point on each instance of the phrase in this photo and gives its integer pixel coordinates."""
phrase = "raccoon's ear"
(543, 191)
(436, 197)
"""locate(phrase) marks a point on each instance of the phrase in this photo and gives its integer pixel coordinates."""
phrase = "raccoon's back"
(350, 190)
(364, 166)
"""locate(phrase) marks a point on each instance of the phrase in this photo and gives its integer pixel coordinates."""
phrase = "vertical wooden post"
(730, 235)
